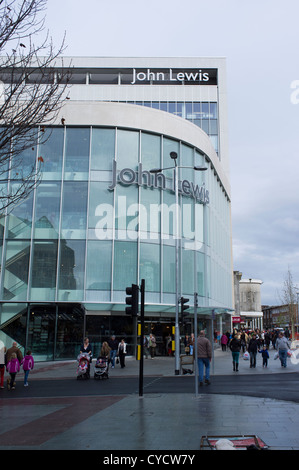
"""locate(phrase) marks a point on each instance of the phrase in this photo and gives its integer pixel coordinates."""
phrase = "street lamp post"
(174, 156)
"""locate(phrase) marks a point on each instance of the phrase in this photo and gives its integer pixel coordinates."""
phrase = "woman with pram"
(85, 358)
(102, 364)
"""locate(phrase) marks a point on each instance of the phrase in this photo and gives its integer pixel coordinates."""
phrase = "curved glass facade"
(100, 221)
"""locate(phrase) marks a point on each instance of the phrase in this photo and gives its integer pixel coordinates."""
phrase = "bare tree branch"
(31, 94)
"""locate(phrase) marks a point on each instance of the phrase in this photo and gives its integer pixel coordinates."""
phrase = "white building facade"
(100, 220)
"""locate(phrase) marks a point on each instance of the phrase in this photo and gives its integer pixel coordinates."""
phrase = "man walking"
(252, 349)
(204, 357)
(282, 345)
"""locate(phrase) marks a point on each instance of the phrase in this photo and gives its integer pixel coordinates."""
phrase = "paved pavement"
(154, 422)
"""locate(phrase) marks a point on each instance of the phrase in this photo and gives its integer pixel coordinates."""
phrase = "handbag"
(117, 360)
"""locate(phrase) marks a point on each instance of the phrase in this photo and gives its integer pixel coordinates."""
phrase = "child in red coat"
(28, 364)
(13, 367)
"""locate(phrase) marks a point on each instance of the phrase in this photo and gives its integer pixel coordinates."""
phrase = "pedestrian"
(265, 355)
(152, 345)
(187, 344)
(224, 341)
(113, 344)
(244, 339)
(145, 347)
(28, 365)
(121, 352)
(2, 366)
(204, 357)
(192, 343)
(235, 347)
(16, 350)
(267, 339)
(105, 350)
(12, 367)
(252, 349)
(282, 346)
(86, 348)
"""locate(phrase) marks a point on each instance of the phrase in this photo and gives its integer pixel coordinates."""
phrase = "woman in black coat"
(235, 347)
(252, 349)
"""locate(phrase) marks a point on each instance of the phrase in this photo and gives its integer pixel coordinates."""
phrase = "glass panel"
(101, 210)
(42, 332)
(187, 159)
(127, 149)
(77, 153)
(150, 151)
(213, 126)
(200, 273)
(16, 270)
(103, 78)
(44, 266)
(71, 274)
(168, 214)
(47, 211)
(168, 269)
(188, 111)
(98, 266)
(196, 110)
(52, 153)
(205, 125)
(179, 110)
(214, 140)
(187, 219)
(74, 210)
(24, 155)
(205, 110)
(102, 149)
(13, 328)
(70, 324)
(125, 265)
(20, 218)
(213, 111)
(188, 272)
(172, 107)
(163, 106)
(150, 213)
(169, 145)
(127, 211)
(150, 266)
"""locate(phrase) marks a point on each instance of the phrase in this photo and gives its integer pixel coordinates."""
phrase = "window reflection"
(74, 209)
(71, 272)
(47, 209)
(51, 151)
(77, 153)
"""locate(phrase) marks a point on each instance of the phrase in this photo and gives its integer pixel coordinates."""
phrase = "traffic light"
(184, 307)
(133, 292)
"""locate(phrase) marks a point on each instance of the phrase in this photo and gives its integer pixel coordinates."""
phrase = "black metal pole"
(142, 290)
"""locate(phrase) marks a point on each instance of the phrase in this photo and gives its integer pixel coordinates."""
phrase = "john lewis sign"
(142, 177)
(175, 76)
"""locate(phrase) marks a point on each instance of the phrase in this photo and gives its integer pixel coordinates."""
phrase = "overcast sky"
(260, 40)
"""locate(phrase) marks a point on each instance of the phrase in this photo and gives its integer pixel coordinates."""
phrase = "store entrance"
(163, 332)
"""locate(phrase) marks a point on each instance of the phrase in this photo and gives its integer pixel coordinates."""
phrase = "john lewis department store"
(100, 220)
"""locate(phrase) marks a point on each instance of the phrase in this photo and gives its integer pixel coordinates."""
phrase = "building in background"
(248, 309)
(100, 221)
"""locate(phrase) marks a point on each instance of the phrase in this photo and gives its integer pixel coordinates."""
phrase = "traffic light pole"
(142, 292)
(177, 328)
(195, 368)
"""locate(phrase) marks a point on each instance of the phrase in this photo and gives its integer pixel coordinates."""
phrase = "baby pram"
(83, 369)
(101, 368)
